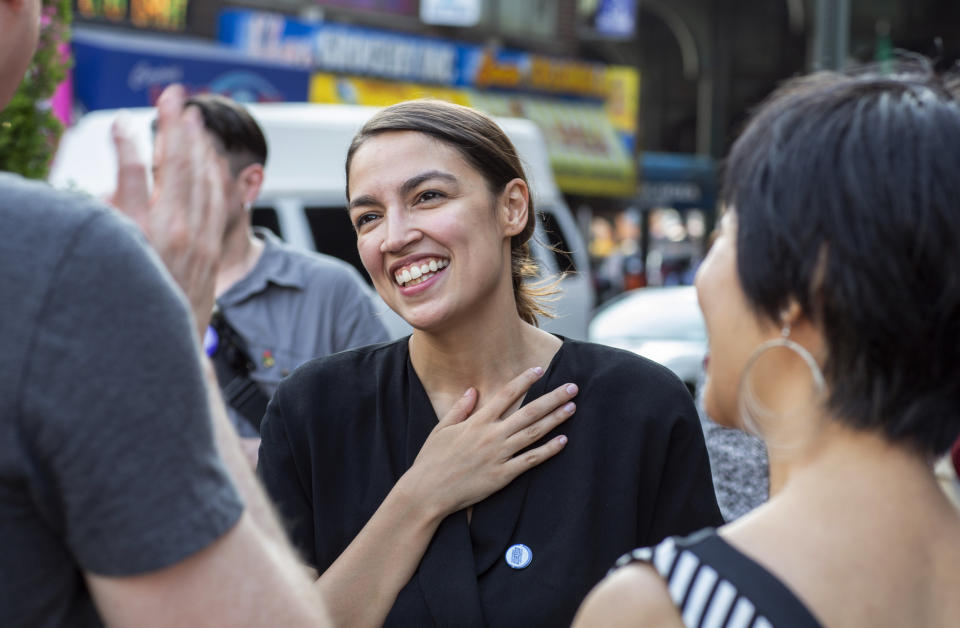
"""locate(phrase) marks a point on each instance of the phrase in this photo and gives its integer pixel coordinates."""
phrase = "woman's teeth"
(418, 273)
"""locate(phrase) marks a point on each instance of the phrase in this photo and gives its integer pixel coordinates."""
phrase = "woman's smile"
(413, 274)
(428, 231)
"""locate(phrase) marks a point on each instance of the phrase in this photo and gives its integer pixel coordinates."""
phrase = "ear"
(803, 330)
(514, 207)
(251, 179)
(792, 314)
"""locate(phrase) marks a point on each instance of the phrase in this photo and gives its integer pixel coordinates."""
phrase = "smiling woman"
(437, 480)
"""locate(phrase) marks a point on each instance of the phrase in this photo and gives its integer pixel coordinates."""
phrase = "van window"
(557, 242)
(266, 217)
(334, 235)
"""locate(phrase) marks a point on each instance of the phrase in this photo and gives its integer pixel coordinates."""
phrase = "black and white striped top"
(716, 586)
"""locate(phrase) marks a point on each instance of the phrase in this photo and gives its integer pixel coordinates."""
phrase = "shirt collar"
(273, 267)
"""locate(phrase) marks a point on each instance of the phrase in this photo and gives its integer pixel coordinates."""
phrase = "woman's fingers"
(529, 459)
(460, 410)
(510, 394)
(533, 432)
(539, 408)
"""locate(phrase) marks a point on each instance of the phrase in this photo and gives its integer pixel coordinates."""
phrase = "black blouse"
(341, 430)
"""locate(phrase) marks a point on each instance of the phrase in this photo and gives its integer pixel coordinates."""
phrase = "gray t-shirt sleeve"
(357, 321)
(115, 417)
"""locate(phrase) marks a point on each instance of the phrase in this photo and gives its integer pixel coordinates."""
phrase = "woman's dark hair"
(489, 151)
(847, 194)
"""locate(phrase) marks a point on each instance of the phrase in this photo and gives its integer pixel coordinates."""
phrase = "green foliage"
(29, 131)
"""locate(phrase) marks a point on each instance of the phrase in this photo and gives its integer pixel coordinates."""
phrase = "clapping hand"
(185, 216)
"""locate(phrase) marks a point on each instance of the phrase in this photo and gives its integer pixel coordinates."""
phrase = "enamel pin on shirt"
(519, 556)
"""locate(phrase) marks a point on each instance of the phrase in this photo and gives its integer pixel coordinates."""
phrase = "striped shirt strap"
(716, 586)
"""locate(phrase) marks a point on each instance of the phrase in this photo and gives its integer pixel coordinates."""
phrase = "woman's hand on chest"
(471, 454)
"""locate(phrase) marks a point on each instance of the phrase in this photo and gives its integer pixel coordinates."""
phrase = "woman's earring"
(753, 413)
(247, 206)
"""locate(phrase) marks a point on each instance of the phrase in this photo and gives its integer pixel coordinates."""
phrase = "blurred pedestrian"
(738, 465)
(833, 307)
(488, 515)
(116, 507)
(277, 306)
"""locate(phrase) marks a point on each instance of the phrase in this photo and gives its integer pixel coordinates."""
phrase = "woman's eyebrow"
(362, 201)
(410, 184)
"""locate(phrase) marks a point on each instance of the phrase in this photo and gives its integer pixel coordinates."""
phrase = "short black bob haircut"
(847, 195)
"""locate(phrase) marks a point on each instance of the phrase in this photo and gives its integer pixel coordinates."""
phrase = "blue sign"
(358, 51)
(614, 18)
(114, 70)
(343, 49)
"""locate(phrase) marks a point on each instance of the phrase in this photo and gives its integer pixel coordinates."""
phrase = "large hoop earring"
(753, 414)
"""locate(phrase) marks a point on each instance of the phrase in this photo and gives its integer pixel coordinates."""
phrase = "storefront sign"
(269, 36)
(118, 70)
(586, 153)
(524, 71)
(587, 111)
(383, 54)
(376, 53)
(170, 15)
(677, 180)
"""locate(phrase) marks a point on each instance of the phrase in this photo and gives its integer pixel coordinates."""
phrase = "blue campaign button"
(519, 556)
(211, 341)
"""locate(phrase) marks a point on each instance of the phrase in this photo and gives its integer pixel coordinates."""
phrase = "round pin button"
(211, 341)
(519, 556)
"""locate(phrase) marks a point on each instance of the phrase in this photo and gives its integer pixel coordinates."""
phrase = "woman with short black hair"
(832, 302)
(504, 517)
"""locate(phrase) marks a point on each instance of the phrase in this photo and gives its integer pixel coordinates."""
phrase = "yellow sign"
(587, 155)
(623, 98)
(544, 74)
(330, 88)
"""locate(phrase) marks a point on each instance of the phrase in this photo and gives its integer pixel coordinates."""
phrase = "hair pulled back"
(483, 145)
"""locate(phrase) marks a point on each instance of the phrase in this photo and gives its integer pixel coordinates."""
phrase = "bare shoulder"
(634, 595)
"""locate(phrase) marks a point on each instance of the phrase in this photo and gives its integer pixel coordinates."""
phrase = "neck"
(241, 250)
(478, 355)
(846, 467)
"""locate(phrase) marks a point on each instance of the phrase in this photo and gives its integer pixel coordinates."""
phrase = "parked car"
(303, 198)
(662, 324)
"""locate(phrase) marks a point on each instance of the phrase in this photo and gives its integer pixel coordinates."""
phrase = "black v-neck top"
(341, 430)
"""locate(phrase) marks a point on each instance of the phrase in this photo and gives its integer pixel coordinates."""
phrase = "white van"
(303, 198)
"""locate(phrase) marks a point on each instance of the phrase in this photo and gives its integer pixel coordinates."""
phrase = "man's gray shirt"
(296, 305)
(107, 458)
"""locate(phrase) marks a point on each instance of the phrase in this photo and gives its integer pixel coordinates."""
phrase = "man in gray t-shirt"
(120, 479)
(106, 454)
(287, 305)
